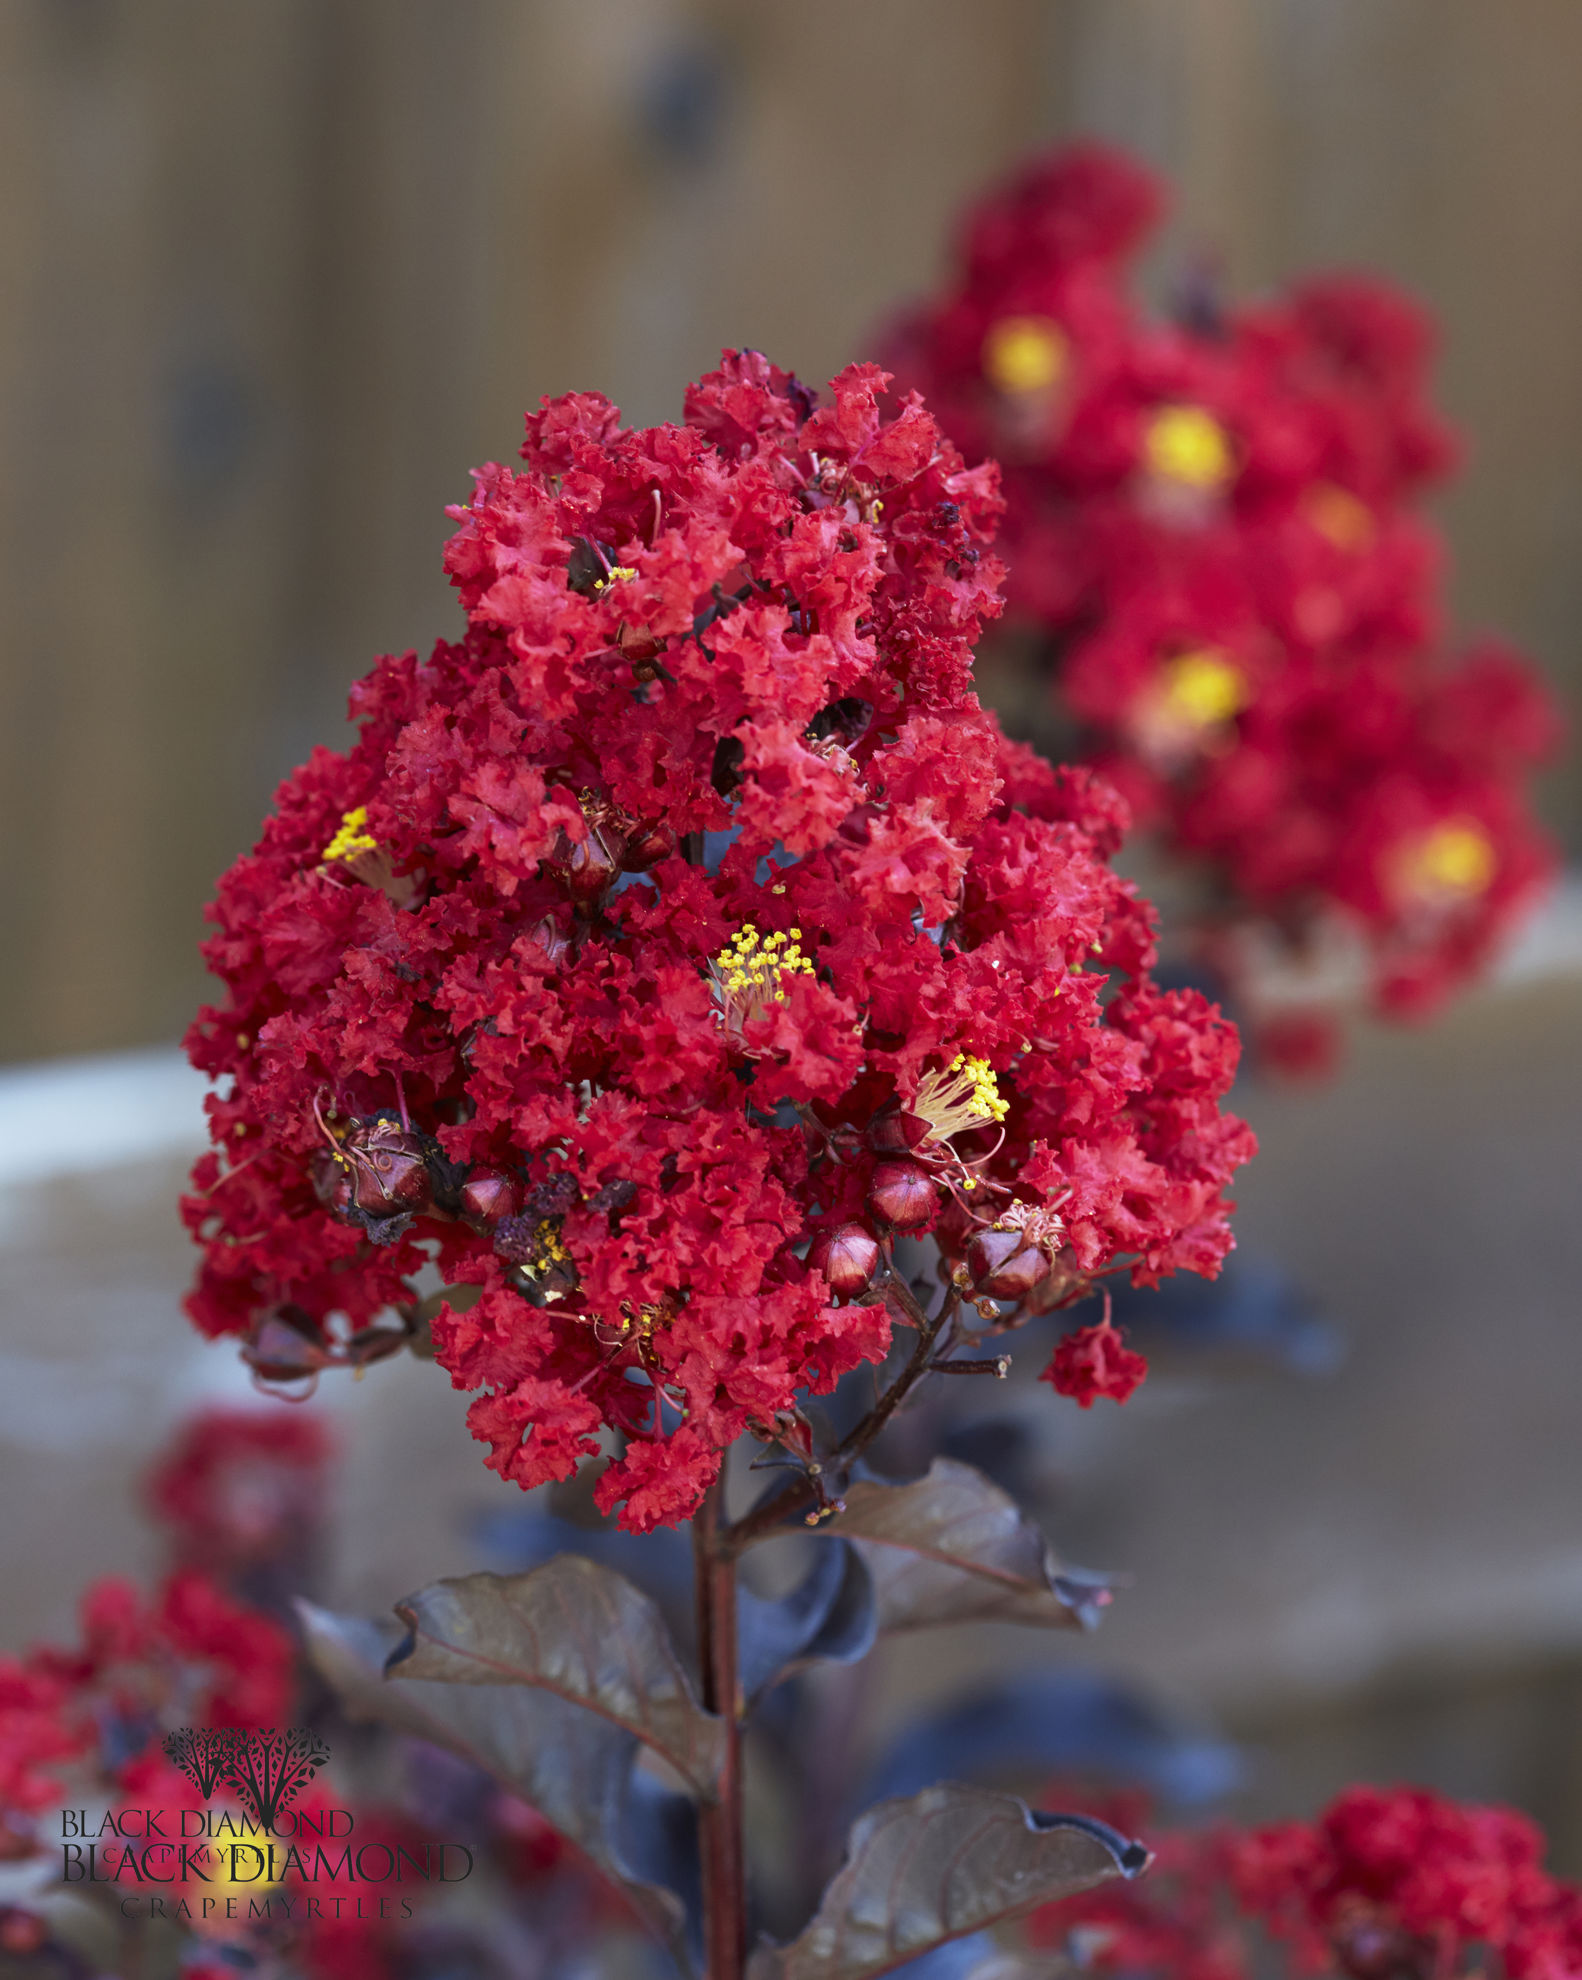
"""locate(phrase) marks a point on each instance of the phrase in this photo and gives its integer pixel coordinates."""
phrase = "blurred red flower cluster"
(1387, 1884)
(1214, 531)
(677, 937)
(94, 1711)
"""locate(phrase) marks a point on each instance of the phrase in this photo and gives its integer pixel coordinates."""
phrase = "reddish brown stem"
(802, 1491)
(720, 1821)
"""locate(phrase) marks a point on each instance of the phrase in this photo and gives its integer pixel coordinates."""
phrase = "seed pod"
(646, 846)
(1004, 1265)
(903, 1195)
(485, 1197)
(847, 1256)
(388, 1167)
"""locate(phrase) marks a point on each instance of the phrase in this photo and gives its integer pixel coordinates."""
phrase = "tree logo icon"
(268, 1768)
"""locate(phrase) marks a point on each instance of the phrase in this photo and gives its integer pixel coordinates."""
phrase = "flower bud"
(388, 1166)
(585, 867)
(1373, 1948)
(552, 938)
(903, 1195)
(332, 1181)
(952, 1231)
(285, 1346)
(21, 1932)
(895, 1132)
(1004, 1265)
(485, 1197)
(847, 1256)
(646, 846)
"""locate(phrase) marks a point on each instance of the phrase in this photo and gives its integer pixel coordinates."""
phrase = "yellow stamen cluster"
(1455, 858)
(964, 1095)
(628, 1326)
(749, 973)
(1188, 445)
(1338, 514)
(619, 574)
(547, 1247)
(1024, 354)
(353, 838)
(1203, 688)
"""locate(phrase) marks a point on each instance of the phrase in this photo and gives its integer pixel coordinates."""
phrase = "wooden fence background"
(274, 272)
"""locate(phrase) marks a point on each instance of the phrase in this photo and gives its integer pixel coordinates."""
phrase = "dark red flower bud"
(847, 1256)
(555, 942)
(1004, 1265)
(485, 1197)
(903, 1195)
(1375, 1949)
(332, 1181)
(284, 1346)
(586, 867)
(895, 1133)
(388, 1166)
(647, 845)
(21, 1931)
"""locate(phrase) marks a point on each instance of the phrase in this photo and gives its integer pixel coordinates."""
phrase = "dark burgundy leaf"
(945, 1863)
(952, 1547)
(830, 1616)
(572, 1766)
(573, 1628)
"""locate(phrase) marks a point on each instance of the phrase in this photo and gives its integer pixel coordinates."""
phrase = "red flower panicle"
(240, 1485)
(683, 922)
(1213, 531)
(1406, 1881)
(1387, 1884)
(94, 1714)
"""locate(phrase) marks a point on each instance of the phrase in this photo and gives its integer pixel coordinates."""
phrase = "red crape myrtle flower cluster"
(239, 1485)
(1387, 1884)
(1213, 527)
(678, 936)
(89, 1718)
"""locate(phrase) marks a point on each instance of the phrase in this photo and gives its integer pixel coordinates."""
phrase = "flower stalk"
(720, 1832)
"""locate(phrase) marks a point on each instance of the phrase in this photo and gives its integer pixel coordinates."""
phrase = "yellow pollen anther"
(1188, 445)
(749, 972)
(629, 1326)
(1338, 514)
(619, 574)
(352, 838)
(1456, 858)
(1024, 354)
(964, 1095)
(1203, 688)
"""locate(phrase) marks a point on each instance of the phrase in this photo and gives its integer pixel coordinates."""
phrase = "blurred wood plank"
(146, 334)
